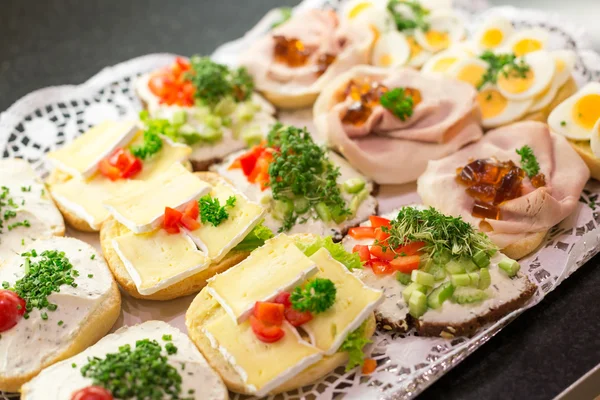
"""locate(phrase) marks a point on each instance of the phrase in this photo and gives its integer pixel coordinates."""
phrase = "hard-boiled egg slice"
(442, 62)
(436, 4)
(595, 140)
(576, 117)
(445, 28)
(470, 70)
(391, 50)
(533, 82)
(565, 62)
(372, 13)
(418, 55)
(497, 110)
(493, 34)
(527, 41)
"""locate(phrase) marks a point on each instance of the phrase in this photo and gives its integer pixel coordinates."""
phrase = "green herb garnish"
(398, 102)
(353, 345)
(255, 238)
(152, 142)
(7, 214)
(404, 22)
(316, 296)
(175, 130)
(502, 63)
(285, 15)
(529, 163)
(337, 251)
(211, 210)
(92, 256)
(60, 323)
(25, 188)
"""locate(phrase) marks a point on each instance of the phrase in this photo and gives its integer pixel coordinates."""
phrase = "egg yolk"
(491, 102)
(560, 65)
(357, 9)
(443, 64)
(385, 60)
(438, 40)
(492, 38)
(516, 84)
(525, 46)
(415, 49)
(376, 33)
(586, 111)
(472, 74)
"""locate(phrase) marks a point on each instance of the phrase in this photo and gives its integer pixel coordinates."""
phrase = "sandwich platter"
(47, 119)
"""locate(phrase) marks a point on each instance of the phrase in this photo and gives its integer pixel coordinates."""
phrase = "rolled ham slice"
(387, 149)
(537, 210)
(322, 36)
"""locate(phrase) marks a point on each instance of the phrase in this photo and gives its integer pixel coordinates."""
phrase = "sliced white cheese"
(271, 269)
(169, 154)
(80, 158)
(262, 366)
(158, 259)
(142, 210)
(354, 302)
(217, 241)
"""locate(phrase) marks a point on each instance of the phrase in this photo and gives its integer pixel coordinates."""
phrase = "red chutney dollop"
(491, 182)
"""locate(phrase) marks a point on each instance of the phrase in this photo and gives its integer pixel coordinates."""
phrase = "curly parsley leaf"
(353, 345)
(502, 63)
(528, 161)
(337, 251)
(398, 102)
(256, 238)
(316, 296)
(152, 142)
(406, 22)
(211, 210)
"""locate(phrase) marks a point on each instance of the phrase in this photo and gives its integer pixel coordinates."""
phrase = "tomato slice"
(189, 223)
(410, 248)
(297, 318)
(269, 313)
(363, 252)
(283, 298)
(381, 236)
(111, 172)
(382, 253)
(247, 161)
(157, 86)
(12, 308)
(265, 333)
(362, 232)
(260, 173)
(377, 222)
(92, 393)
(369, 366)
(171, 220)
(406, 264)
(192, 209)
(381, 267)
(134, 168)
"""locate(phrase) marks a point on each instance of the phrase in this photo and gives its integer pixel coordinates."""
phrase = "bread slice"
(205, 308)
(112, 229)
(525, 246)
(584, 149)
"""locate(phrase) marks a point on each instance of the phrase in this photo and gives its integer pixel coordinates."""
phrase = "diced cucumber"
(474, 277)
(252, 135)
(283, 208)
(465, 295)
(438, 272)
(246, 112)
(407, 292)
(442, 257)
(213, 121)
(338, 214)
(460, 279)
(225, 107)
(211, 135)
(469, 265)
(226, 121)
(439, 295)
(354, 185)
(201, 112)
(485, 279)
(301, 205)
(403, 278)
(417, 304)
(481, 259)
(323, 212)
(179, 117)
(510, 266)
(422, 277)
(357, 199)
(266, 199)
(454, 267)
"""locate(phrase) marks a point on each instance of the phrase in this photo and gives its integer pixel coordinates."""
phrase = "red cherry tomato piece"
(157, 86)
(377, 222)
(363, 252)
(283, 298)
(12, 308)
(265, 333)
(269, 313)
(111, 172)
(92, 393)
(362, 232)
(189, 223)
(369, 366)
(382, 253)
(192, 209)
(410, 248)
(134, 168)
(172, 219)
(406, 264)
(381, 236)
(381, 267)
(297, 318)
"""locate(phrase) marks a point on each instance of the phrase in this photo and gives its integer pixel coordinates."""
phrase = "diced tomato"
(236, 164)
(171, 84)
(247, 161)
(369, 366)
(132, 169)
(172, 229)
(382, 253)
(260, 173)
(157, 86)
(171, 220)
(377, 222)
(362, 232)
(269, 313)
(265, 333)
(192, 209)
(92, 393)
(111, 172)
(297, 318)
(363, 252)
(12, 308)
(410, 248)
(189, 223)
(406, 264)
(381, 236)
(283, 298)
(381, 267)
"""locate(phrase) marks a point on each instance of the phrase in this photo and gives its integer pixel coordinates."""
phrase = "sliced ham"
(392, 151)
(537, 210)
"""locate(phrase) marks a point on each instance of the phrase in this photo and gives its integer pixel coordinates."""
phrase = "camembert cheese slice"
(80, 158)
(262, 366)
(354, 302)
(271, 269)
(142, 210)
(217, 241)
(158, 259)
(169, 154)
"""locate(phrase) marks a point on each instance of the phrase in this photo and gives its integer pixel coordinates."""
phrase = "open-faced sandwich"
(176, 230)
(389, 122)
(436, 272)
(578, 119)
(408, 33)
(208, 106)
(306, 188)
(514, 185)
(293, 62)
(517, 76)
(152, 360)
(57, 298)
(26, 209)
(110, 158)
(286, 316)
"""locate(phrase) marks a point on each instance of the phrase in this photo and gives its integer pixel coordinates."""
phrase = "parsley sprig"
(152, 142)
(505, 64)
(353, 345)
(316, 296)
(140, 373)
(301, 169)
(211, 210)
(404, 22)
(529, 163)
(398, 102)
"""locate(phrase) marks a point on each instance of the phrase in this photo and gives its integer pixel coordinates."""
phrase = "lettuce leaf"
(350, 260)
(353, 345)
(255, 238)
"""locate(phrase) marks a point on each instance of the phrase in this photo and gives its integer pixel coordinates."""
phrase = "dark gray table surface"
(53, 42)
